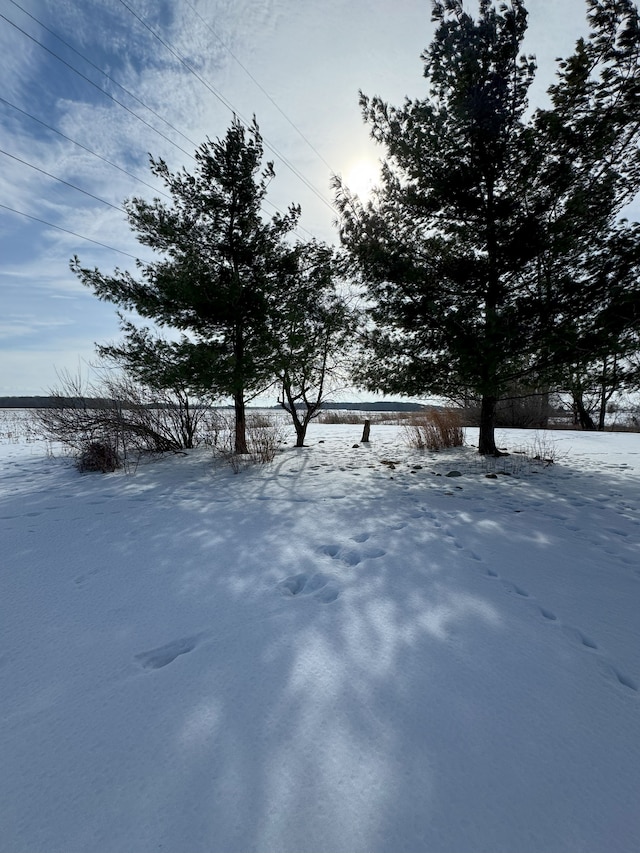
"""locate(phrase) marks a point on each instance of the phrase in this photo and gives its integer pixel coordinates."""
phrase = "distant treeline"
(96, 403)
(50, 402)
(386, 406)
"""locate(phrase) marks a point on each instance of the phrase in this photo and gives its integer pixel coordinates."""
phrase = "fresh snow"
(328, 653)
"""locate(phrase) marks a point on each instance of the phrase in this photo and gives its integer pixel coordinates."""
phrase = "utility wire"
(66, 231)
(227, 104)
(119, 103)
(110, 163)
(62, 181)
(95, 85)
(259, 85)
(104, 73)
(84, 147)
(97, 198)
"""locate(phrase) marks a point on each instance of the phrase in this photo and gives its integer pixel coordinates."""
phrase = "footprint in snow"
(351, 556)
(548, 614)
(354, 556)
(164, 655)
(360, 537)
(513, 588)
(318, 585)
(619, 679)
(576, 637)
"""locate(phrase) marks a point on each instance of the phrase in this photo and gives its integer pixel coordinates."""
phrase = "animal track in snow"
(352, 556)
(360, 537)
(579, 638)
(164, 655)
(574, 636)
(513, 588)
(317, 585)
(611, 673)
(616, 531)
(82, 579)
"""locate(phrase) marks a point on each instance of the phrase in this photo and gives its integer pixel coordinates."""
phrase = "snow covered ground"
(329, 653)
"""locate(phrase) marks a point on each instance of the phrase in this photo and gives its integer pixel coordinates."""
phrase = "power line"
(97, 198)
(227, 104)
(109, 162)
(95, 85)
(104, 73)
(62, 181)
(84, 147)
(66, 231)
(260, 86)
(131, 112)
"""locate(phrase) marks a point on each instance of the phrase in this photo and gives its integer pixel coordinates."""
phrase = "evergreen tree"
(220, 264)
(478, 247)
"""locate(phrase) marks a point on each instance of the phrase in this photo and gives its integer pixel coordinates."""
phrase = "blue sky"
(296, 64)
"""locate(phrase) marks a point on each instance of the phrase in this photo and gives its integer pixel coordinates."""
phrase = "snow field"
(345, 650)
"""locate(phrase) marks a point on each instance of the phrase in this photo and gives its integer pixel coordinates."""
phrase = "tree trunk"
(586, 421)
(602, 414)
(288, 403)
(301, 432)
(486, 440)
(544, 410)
(583, 416)
(609, 381)
(241, 424)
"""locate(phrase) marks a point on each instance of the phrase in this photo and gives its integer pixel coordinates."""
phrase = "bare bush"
(540, 451)
(121, 413)
(99, 456)
(265, 434)
(14, 427)
(434, 430)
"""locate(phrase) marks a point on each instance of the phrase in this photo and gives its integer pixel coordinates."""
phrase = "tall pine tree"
(219, 268)
(473, 247)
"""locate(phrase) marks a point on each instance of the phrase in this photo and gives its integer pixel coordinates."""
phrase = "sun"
(362, 176)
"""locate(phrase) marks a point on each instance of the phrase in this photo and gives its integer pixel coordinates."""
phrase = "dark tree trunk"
(602, 414)
(609, 381)
(581, 415)
(301, 432)
(544, 410)
(288, 403)
(241, 424)
(586, 421)
(486, 440)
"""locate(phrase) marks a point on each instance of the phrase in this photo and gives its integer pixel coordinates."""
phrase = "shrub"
(98, 456)
(130, 417)
(434, 430)
(265, 434)
(540, 451)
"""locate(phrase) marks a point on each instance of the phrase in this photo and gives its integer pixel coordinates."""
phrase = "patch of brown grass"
(434, 430)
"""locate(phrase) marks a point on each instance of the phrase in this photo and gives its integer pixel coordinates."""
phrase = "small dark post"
(366, 431)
